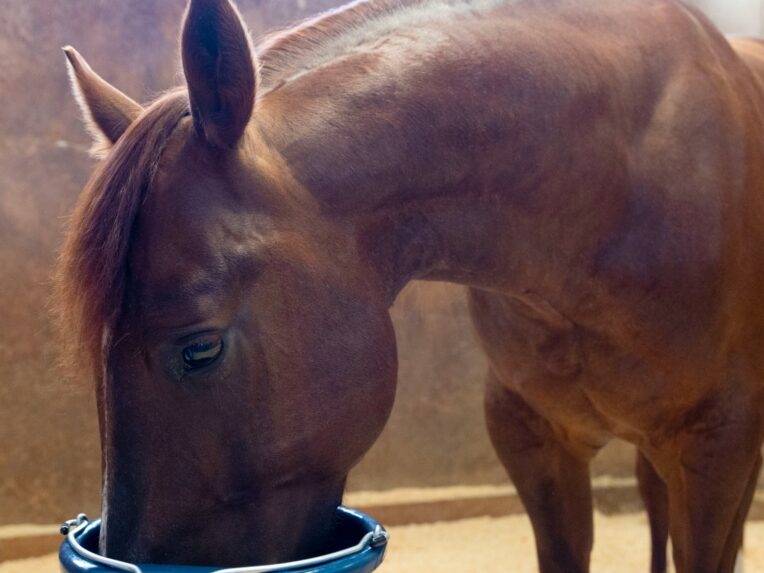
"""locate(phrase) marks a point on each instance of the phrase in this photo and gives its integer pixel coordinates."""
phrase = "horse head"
(241, 344)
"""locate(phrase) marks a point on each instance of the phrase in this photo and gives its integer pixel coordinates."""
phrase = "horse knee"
(514, 427)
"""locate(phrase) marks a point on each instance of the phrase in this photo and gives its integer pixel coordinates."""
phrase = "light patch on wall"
(736, 17)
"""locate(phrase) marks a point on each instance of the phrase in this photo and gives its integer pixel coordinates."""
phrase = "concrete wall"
(49, 456)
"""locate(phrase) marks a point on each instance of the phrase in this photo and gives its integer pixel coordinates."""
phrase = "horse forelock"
(90, 276)
(317, 40)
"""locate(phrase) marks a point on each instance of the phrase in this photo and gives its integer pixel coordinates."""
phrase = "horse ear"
(106, 110)
(219, 64)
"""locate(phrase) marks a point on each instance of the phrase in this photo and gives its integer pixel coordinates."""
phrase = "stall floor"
(497, 545)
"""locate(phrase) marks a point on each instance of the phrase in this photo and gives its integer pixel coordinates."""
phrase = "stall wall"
(738, 17)
(49, 455)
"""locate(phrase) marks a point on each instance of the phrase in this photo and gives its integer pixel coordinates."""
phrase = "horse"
(591, 170)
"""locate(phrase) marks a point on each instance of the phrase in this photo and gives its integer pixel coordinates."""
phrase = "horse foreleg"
(734, 545)
(553, 483)
(655, 497)
(712, 476)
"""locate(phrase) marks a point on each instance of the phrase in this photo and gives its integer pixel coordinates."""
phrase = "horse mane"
(286, 53)
(91, 271)
(283, 52)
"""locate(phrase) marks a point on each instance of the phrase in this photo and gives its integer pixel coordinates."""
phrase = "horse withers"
(592, 171)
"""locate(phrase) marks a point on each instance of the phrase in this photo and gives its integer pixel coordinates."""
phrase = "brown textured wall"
(49, 457)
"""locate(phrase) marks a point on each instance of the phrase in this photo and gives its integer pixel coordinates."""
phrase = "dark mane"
(89, 277)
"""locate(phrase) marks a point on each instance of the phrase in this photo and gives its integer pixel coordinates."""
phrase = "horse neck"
(438, 166)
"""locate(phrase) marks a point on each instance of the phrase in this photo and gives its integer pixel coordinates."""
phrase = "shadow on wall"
(49, 458)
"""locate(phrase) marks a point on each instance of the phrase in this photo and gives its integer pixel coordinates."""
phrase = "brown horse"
(592, 170)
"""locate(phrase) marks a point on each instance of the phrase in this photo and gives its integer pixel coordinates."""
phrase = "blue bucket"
(79, 552)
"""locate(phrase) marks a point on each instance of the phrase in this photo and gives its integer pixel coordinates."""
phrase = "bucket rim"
(78, 552)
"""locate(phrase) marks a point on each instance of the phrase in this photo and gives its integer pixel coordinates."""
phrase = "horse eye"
(203, 352)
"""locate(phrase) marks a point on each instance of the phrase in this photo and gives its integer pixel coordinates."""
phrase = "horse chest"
(542, 356)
